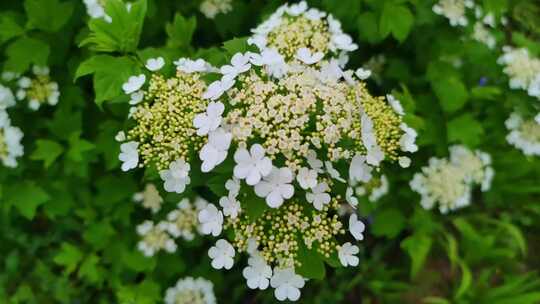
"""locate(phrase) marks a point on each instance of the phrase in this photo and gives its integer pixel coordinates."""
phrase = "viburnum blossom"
(211, 8)
(10, 141)
(276, 187)
(257, 273)
(252, 165)
(522, 69)
(287, 284)
(129, 155)
(211, 220)
(454, 10)
(524, 133)
(222, 255)
(38, 89)
(176, 177)
(191, 291)
(149, 198)
(154, 238)
(347, 254)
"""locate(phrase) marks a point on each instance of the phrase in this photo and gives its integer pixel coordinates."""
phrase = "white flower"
(211, 220)
(344, 42)
(191, 291)
(395, 104)
(347, 253)
(276, 186)
(133, 84)
(273, 61)
(154, 238)
(252, 165)
(305, 55)
(231, 207)
(307, 178)
(314, 14)
(95, 10)
(257, 273)
(233, 186)
(215, 150)
(210, 120)
(363, 73)
(350, 198)
(356, 227)
(407, 140)
(287, 284)
(454, 10)
(297, 9)
(149, 198)
(7, 99)
(258, 40)
(155, 64)
(210, 8)
(378, 192)
(222, 255)
(176, 177)
(359, 170)
(136, 97)
(12, 137)
(333, 172)
(319, 197)
(129, 155)
(191, 66)
(218, 87)
(239, 64)
(534, 86)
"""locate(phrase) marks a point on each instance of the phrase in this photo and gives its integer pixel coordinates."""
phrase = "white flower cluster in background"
(10, 140)
(149, 198)
(37, 89)
(524, 133)
(211, 8)
(298, 32)
(154, 238)
(191, 291)
(95, 9)
(454, 11)
(448, 183)
(522, 69)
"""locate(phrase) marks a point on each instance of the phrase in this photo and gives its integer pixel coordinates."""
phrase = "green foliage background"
(66, 216)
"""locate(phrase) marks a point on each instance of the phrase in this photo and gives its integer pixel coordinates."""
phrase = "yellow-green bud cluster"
(164, 120)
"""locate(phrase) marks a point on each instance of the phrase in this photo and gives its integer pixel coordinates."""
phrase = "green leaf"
(396, 19)
(147, 292)
(237, 45)
(122, 34)
(47, 15)
(253, 205)
(466, 280)
(26, 196)
(109, 75)
(312, 264)
(24, 51)
(465, 129)
(368, 27)
(78, 147)
(69, 257)
(417, 247)
(487, 93)
(388, 223)
(451, 92)
(90, 270)
(9, 28)
(180, 31)
(47, 151)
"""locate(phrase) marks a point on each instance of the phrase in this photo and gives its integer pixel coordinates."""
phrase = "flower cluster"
(211, 8)
(10, 136)
(524, 133)
(450, 182)
(191, 291)
(37, 89)
(454, 11)
(522, 69)
(302, 33)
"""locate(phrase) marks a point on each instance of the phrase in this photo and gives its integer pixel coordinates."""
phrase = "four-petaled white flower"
(350, 198)
(176, 177)
(209, 120)
(129, 155)
(315, 163)
(155, 64)
(215, 150)
(211, 220)
(319, 197)
(314, 14)
(276, 186)
(344, 42)
(252, 165)
(407, 140)
(297, 9)
(363, 74)
(239, 64)
(356, 227)
(273, 61)
(359, 170)
(257, 273)
(395, 104)
(231, 206)
(305, 55)
(287, 284)
(218, 87)
(307, 178)
(222, 255)
(191, 66)
(136, 97)
(347, 255)
(120, 136)
(133, 84)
